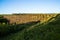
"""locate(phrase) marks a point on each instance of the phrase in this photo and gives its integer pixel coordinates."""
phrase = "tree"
(4, 20)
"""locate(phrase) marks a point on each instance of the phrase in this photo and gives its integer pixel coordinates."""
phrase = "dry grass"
(28, 17)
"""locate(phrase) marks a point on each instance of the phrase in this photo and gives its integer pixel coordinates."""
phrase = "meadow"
(34, 30)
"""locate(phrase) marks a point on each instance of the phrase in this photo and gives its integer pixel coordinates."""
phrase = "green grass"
(49, 31)
(13, 32)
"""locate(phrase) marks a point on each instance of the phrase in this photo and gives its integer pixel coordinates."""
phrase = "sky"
(29, 6)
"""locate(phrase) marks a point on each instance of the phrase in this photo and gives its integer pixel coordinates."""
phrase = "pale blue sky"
(29, 6)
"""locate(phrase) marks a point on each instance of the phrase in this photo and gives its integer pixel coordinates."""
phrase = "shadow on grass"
(11, 29)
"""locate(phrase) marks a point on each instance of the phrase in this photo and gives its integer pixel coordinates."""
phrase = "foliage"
(3, 20)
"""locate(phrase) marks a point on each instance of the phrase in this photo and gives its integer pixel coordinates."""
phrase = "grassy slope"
(50, 31)
(14, 32)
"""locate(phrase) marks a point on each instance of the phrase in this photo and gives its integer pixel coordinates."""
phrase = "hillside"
(24, 18)
(49, 30)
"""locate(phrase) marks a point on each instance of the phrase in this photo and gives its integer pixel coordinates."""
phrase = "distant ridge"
(24, 18)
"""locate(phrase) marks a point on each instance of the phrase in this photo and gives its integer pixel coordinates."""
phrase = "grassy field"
(34, 30)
